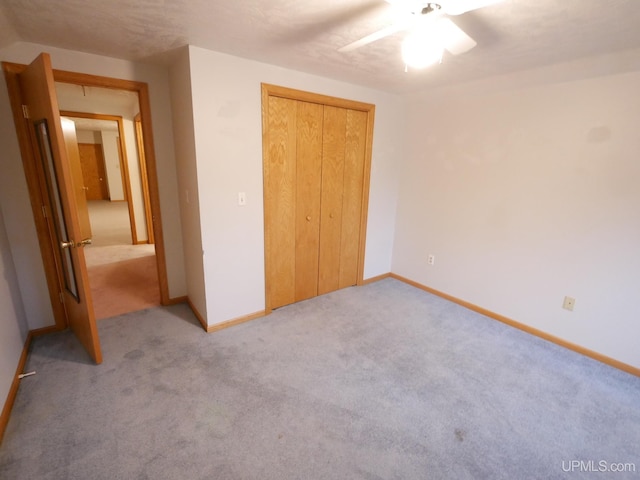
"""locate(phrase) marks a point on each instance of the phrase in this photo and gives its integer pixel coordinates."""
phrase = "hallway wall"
(13, 322)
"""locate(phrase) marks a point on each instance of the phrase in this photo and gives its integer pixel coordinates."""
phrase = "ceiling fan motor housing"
(430, 7)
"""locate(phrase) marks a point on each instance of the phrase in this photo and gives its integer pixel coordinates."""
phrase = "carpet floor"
(377, 382)
(109, 223)
(123, 277)
(124, 286)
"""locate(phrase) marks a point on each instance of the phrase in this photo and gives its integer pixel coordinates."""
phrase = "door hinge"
(61, 297)
(44, 211)
(25, 111)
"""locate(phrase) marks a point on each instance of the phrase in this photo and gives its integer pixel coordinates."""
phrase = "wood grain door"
(73, 155)
(93, 171)
(56, 182)
(316, 169)
(292, 192)
(279, 197)
(308, 182)
(343, 155)
(354, 182)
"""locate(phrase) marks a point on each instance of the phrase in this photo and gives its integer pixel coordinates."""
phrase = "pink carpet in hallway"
(124, 286)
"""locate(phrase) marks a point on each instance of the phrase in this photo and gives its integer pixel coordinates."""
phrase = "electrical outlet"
(569, 303)
(431, 259)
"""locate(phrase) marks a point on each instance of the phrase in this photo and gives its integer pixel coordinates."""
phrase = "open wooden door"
(61, 194)
(80, 189)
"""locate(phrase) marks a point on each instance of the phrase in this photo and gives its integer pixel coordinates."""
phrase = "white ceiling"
(305, 34)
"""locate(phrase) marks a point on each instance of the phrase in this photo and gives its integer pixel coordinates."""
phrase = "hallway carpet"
(124, 286)
(123, 277)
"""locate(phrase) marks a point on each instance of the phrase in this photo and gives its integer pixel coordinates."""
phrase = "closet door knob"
(331, 215)
(308, 218)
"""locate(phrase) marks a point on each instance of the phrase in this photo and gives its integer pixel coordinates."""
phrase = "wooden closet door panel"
(308, 184)
(333, 149)
(280, 197)
(355, 145)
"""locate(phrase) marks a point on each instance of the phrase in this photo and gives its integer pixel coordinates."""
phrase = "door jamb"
(142, 163)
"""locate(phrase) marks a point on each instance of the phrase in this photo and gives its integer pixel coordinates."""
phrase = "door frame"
(124, 162)
(11, 72)
(269, 90)
(142, 163)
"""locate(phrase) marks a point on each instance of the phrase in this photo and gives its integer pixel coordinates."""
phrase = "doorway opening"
(147, 233)
(121, 262)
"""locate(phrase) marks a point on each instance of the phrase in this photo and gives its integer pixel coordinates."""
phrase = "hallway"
(123, 277)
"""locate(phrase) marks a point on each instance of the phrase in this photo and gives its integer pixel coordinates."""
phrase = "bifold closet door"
(292, 199)
(314, 181)
(343, 153)
(308, 188)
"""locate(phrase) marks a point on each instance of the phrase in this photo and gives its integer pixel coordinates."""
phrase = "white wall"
(13, 323)
(110, 144)
(15, 200)
(88, 136)
(20, 226)
(228, 142)
(525, 196)
(187, 168)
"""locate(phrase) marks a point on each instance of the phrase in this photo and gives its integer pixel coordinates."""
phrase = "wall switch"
(568, 303)
(242, 199)
(431, 259)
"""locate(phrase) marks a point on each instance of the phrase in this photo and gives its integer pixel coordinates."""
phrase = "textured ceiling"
(305, 34)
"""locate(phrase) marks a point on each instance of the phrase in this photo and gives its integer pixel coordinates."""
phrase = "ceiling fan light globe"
(421, 51)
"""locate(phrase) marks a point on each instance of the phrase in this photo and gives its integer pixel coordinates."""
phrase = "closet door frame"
(269, 90)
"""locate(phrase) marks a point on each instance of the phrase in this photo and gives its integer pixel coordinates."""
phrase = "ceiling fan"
(430, 32)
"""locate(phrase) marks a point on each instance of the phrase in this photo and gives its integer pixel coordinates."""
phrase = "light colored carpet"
(377, 382)
(109, 223)
(116, 253)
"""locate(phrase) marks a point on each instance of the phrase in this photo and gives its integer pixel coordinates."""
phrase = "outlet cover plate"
(569, 303)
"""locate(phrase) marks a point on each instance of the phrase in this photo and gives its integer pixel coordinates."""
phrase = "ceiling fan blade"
(385, 32)
(453, 37)
(458, 7)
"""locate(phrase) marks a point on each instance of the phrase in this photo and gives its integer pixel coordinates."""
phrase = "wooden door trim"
(269, 90)
(124, 163)
(142, 89)
(301, 95)
(142, 162)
